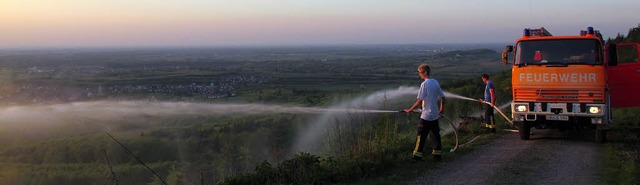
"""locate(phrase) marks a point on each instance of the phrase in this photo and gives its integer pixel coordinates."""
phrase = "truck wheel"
(601, 135)
(524, 129)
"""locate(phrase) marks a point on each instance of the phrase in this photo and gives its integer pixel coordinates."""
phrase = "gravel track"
(550, 157)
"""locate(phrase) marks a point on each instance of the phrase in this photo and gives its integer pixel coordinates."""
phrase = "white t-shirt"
(430, 92)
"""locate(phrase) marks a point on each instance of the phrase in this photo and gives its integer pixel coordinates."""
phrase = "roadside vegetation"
(622, 152)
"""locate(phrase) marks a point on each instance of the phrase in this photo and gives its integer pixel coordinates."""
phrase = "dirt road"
(550, 157)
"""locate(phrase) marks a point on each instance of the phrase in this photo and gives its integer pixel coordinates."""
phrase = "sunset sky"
(52, 23)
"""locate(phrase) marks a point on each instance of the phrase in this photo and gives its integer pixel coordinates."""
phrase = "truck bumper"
(542, 111)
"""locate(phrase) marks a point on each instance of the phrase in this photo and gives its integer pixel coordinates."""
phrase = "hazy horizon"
(121, 23)
(251, 46)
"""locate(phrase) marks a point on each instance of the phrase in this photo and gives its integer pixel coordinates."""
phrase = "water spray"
(313, 136)
(114, 110)
(451, 95)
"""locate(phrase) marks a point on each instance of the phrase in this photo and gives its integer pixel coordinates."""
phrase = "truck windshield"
(558, 52)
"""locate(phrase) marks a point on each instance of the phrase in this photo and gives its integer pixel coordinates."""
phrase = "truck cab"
(563, 81)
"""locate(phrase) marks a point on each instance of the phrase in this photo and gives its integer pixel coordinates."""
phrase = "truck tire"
(524, 129)
(601, 135)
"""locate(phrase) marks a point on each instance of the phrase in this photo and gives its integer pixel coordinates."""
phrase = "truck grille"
(559, 95)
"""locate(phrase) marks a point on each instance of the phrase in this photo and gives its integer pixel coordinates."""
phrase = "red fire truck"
(571, 81)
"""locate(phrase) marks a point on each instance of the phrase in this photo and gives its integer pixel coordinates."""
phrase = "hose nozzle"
(413, 111)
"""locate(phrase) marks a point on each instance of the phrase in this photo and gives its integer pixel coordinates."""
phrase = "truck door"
(624, 79)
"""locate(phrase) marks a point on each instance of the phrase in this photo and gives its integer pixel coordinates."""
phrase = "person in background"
(428, 96)
(505, 56)
(489, 97)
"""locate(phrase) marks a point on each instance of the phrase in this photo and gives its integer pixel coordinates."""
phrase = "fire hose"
(455, 130)
(499, 111)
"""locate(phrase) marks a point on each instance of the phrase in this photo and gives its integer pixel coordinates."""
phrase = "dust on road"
(550, 157)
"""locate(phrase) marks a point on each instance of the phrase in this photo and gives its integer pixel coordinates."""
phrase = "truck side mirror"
(612, 54)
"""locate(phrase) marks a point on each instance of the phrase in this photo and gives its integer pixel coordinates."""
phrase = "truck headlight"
(521, 108)
(595, 110)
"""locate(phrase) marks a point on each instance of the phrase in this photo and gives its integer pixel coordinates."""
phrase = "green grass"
(405, 169)
(82, 173)
(374, 156)
(622, 156)
(622, 163)
(622, 150)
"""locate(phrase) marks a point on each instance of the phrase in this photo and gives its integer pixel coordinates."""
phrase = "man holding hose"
(429, 94)
(489, 97)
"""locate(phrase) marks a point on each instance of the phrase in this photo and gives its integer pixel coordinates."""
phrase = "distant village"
(18, 93)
